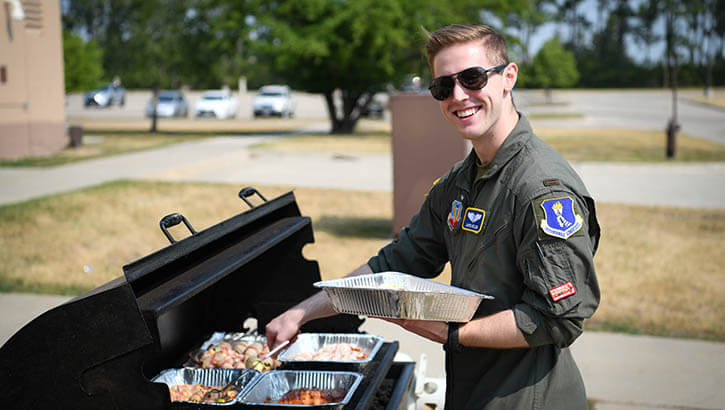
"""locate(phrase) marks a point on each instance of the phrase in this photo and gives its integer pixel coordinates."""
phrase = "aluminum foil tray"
(403, 296)
(312, 342)
(209, 377)
(217, 337)
(271, 386)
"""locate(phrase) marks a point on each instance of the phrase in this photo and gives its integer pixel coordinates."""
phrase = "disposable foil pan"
(218, 337)
(312, 342)
(403, 296)
(209, 377)
(271, 386)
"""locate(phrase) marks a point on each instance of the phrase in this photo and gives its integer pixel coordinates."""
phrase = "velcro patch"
(560, 220)
(473, 220)
(562, 291)
(455, 215)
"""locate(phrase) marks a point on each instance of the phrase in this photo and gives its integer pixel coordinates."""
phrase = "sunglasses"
(473, 78)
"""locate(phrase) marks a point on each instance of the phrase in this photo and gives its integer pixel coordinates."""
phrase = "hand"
(284, 327)
(435, 331)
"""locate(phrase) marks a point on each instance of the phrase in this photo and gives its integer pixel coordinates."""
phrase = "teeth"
(467, 112)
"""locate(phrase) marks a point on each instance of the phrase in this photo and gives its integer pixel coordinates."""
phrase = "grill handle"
(172, 220)
(249, 191)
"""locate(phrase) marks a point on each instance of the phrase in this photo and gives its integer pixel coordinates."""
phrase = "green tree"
(82, 62)
(554, 67)
(353, 49)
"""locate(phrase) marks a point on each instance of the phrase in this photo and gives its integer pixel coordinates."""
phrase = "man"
(515, 221)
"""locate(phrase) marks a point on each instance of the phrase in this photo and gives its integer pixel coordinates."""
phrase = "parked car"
(274, 100)
(106, 96)
(170, 104)
(374, 109)
(216, 103)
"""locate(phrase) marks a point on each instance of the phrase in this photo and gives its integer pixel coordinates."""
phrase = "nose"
(459, 92)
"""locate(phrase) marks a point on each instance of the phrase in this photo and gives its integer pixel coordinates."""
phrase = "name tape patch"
(562, 291)
(473, 220)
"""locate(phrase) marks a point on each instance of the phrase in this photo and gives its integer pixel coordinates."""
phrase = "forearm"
(318, 305)
(497, 331)
(287, 325)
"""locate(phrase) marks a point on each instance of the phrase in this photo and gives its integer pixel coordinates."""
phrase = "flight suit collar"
(510, 147)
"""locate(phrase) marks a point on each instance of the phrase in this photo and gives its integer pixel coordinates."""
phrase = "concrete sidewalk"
(227, 159)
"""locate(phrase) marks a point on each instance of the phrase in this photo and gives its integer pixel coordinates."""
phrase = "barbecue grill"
(102, 349)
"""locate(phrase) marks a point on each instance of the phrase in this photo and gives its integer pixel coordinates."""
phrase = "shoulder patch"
(559, 218)
(473, 220)
(562, 291)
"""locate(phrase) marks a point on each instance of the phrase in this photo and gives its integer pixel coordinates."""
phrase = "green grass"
(626, 145)
(103, 144)
(659, 269)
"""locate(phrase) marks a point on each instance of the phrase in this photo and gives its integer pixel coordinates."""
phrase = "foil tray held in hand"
(402, 296)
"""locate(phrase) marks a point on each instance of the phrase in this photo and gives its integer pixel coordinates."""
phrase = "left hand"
(435, 331)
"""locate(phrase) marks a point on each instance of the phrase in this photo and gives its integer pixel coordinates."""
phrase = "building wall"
(425, 146)
(32, 89)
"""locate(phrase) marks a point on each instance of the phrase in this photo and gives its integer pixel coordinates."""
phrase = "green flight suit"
(525, 232)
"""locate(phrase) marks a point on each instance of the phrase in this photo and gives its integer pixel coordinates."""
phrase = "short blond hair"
(494, 43)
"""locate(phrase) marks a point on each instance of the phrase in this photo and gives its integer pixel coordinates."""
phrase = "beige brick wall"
(32, 96)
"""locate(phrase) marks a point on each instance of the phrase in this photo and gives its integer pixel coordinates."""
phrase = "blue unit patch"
(473, 220)
(559, 218)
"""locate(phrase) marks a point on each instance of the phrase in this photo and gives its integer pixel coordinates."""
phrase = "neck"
(487, 146)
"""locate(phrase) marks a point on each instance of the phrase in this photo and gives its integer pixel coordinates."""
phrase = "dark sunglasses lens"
(441, 88)
(473, 78)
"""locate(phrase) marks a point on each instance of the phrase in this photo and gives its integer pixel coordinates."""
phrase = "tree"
(554, 67)
(82, 63)
(321, 46)
(352, 48)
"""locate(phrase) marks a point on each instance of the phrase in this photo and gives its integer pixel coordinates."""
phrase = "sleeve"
(560, 235)
(420, 247)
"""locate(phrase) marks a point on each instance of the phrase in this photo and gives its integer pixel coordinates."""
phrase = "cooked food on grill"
(311, 396)
(343, 352)
(236, 355)
(196, 392)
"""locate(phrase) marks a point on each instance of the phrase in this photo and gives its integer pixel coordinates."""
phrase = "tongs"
(222, 392)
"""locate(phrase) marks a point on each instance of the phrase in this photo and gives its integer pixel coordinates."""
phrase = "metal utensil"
(270, 354)
(221, 392)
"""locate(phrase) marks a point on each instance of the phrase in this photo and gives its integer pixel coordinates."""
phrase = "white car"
(217, 103)
(274, 100)
(170, 104)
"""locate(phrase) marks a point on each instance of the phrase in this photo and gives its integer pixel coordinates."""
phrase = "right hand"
(284, 327)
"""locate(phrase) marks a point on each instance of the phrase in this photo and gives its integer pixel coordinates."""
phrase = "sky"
(589, 7)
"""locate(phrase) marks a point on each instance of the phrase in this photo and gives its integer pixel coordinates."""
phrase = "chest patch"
(473, 220)
(454, 217)
(560, 220)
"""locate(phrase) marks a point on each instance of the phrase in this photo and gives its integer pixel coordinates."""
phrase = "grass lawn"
(112, 138)
(660, 269)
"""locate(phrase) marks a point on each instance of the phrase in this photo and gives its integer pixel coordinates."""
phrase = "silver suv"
(106, 96)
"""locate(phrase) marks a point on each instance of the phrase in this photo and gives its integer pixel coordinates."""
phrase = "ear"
(510, 75)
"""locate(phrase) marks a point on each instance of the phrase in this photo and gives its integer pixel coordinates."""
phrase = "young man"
(515, 221)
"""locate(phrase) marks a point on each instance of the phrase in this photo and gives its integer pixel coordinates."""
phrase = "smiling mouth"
(467, 112)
